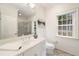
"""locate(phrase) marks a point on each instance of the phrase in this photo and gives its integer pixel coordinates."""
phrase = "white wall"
(8, 21)
(66, 44)
(0, 25)
(39, 14)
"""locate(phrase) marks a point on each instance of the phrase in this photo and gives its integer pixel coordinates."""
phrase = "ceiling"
(25, 10)
(46, 5)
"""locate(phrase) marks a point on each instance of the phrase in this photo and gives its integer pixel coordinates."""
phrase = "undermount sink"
(12, 46)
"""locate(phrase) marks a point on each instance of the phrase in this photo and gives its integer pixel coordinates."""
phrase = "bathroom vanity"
(15, 26)
(24, 47)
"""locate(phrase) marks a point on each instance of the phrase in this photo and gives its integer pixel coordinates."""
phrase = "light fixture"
(19, 14)
(32, 5)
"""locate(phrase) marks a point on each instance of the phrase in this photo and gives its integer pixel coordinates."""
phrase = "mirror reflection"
(15, 20)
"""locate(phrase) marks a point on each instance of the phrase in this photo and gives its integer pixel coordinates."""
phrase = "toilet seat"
(50, 46)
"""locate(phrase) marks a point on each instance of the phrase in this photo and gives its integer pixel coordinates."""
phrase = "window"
(65, 24)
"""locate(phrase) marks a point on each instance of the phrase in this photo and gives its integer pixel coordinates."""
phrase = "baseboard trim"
(65, 52)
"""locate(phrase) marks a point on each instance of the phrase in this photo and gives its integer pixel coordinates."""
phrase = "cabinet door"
(22, 54)
(34, 51)
(37, 50)
(31, 52)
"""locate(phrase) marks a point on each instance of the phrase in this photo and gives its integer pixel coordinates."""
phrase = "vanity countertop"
(25, 47)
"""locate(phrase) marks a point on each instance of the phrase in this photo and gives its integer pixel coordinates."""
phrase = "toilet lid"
(49, 45)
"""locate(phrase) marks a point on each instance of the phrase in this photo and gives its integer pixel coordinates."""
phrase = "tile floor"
(58, 53)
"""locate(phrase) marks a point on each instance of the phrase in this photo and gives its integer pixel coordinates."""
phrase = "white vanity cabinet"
(37, 50)
(22, 54)
(32, 47)
(68, 24)
(34, 51)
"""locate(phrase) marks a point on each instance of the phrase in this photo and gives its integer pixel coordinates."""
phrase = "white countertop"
(25, 47)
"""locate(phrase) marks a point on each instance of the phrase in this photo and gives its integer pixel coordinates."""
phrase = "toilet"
(50, 48)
